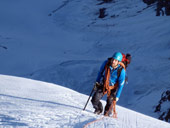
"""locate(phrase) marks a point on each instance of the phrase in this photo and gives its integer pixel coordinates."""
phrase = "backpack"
(126, 60)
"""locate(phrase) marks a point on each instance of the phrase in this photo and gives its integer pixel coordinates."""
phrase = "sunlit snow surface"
(30, 103)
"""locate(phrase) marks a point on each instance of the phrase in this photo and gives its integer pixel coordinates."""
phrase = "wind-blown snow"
(30, 103)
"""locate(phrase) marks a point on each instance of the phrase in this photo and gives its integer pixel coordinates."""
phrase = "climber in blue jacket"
(110, 80)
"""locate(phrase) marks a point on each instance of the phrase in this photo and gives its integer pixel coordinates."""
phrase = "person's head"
(117, 57)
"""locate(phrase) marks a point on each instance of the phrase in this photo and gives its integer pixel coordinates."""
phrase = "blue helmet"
(118, 56)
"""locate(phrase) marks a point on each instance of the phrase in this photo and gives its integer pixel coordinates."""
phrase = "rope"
(106, 88)
(92, 122)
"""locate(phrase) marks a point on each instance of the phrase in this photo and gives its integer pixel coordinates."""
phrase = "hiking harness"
(106, 88)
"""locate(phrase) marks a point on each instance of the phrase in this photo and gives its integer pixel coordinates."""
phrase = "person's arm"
(100, 74)
(121, 82)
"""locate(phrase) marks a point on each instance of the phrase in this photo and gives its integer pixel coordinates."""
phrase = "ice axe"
(89, 97)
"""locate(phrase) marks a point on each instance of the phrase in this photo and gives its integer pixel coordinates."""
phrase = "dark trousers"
(97, 105)
(109, 105)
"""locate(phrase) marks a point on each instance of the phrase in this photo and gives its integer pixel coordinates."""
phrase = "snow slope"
(64, 42)
(30, 103)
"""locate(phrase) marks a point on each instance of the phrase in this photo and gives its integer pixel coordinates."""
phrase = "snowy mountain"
(64, 42)
(30, 103)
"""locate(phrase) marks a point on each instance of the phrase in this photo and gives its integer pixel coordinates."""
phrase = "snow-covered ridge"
(30, 103)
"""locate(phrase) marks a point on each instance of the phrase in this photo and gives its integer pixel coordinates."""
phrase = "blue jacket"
(113, 77)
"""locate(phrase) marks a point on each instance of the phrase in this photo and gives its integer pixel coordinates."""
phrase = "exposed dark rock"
(164, 114)
(107, 1)
(102, 13)
(149, 2)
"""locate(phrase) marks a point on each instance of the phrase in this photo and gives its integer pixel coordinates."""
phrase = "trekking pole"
(89, 98)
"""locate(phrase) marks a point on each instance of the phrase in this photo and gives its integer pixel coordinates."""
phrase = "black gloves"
(97, 85)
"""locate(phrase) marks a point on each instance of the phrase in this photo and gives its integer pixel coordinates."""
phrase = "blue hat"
(118, 56)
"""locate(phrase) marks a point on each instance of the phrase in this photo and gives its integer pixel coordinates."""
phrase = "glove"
(96, 85)
(116, 99)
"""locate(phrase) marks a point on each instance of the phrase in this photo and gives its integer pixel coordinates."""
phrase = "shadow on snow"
(6, 120)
